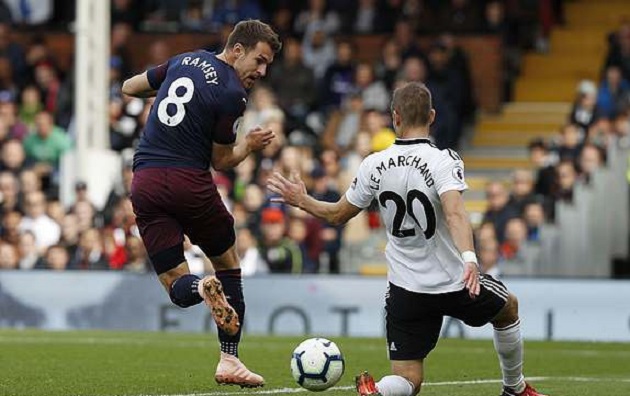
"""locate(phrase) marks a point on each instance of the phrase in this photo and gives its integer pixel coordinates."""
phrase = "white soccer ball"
(317, 364)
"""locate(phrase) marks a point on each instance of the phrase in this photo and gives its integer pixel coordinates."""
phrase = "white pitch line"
(280, 391)
(268, 344)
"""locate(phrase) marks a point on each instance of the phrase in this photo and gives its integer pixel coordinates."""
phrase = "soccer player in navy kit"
(199, 98)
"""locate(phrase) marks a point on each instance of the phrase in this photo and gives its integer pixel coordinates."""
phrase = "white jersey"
(407, 180)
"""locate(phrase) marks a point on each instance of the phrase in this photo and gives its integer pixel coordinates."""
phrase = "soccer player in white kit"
(432, 267)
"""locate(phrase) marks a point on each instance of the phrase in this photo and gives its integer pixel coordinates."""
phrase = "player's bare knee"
(509, 313)
(226, 261)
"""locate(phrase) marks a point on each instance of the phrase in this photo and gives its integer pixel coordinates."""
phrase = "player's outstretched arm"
(227, 156)
(138, 86)
(461, 232)
(293, 192)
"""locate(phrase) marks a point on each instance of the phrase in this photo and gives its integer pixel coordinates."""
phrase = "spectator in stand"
(338, 79)
(137, 260)
(540, 158)
(485, 232)
(570, 144)
(120, 41)
(344, 124)
(366, 17)
(522, 190)
(70, 234)
(461, 16)
(49, 85)
(251, 261)
(13, 158)
(566, 176)
(56, 211)
(515, 238)
(281, 254)
(9, 193)
(318, 50)
(498, 212)
(489, 258)
(159, 52)
(406, 40)
(114, 248)
(193, 18)
(534, 216)
(48, 143)
(373, 92)
(458, 63)
(11, 227)
(8, 114)
(446, 87)
(124, 11)
(317, 16)
(30, 182)
(282, 22)
(619, 53)
(8, 87)
(90, 254)
(120, 190)
(29, 254)
(10, 49)
(591, 159)
(585, 111)
(85, 215)
(262, 108)
(298, 233)
(330, 234)
(56, 258)
(389, 64)
(296, 95)
(376, 125)
(9, 258)
(81, 194)
(614, 92)
(31, 105)
(232, 11)
(46, 231)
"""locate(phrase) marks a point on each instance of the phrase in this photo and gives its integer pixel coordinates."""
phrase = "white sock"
(509, 345)
(394, 385)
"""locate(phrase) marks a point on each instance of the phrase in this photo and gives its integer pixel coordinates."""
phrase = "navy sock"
(233, 288)
(184, 291)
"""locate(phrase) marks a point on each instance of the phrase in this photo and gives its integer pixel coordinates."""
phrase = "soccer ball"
(317, 364)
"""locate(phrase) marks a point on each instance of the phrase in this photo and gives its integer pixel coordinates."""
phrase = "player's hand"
(471, 279)
(291, 190)
(258, 138)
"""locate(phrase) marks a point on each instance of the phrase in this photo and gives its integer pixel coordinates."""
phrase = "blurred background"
(534, 94)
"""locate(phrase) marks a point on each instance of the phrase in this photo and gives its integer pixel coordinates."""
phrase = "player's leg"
(211, 227)
(413, 329)
(496, 305)
(405, 380)
(162, 236)
(508, 342)
(230, 370)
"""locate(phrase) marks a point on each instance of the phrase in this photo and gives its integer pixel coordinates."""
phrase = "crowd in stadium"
(328, 113)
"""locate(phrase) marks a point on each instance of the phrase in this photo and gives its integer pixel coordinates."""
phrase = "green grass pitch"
(36, 363)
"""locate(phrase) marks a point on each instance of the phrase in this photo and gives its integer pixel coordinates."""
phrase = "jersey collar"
(411, 141)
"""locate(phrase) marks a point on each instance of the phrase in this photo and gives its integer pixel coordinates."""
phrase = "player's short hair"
(413, 103)
(251, 32)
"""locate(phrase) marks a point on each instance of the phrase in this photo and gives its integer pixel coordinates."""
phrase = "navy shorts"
(414, 320)
(171, 202)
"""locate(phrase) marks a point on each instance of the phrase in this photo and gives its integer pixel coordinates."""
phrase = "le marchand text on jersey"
(206, 67)
(400, 161)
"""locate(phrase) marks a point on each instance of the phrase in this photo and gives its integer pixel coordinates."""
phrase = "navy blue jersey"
(198, 102)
